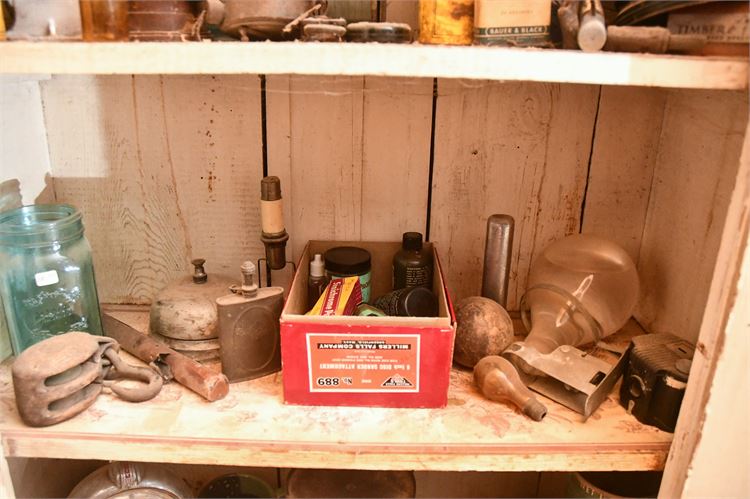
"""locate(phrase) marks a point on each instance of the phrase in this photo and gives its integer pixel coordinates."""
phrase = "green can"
(348, 261)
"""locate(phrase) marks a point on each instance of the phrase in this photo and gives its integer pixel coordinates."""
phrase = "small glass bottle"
(411, 265)
(46, 274)
(104, 20)
(316, 280)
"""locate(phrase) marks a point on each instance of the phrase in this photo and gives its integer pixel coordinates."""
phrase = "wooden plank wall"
(696, 167)
(353, 153)
(515, 148)
(167, 169)
(164, 169)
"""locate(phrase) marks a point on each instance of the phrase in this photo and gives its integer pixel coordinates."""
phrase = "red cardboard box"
(366, 361)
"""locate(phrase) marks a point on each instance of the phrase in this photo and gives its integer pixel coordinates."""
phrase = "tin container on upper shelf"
(46, 276)
(447, 22)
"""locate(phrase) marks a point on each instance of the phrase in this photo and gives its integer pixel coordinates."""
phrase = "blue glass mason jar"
(46, 274)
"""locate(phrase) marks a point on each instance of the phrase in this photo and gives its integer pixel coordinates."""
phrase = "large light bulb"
(580, 289)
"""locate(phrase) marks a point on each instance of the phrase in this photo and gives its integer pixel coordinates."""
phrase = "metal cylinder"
(273, 235)
(497, 252)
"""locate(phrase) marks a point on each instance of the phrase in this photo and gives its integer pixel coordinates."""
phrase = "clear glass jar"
(46, 274)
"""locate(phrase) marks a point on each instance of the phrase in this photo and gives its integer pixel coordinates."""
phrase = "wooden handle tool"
(207, 383)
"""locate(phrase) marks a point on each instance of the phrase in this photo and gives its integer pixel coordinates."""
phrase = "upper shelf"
(253, 427)
(562, 66)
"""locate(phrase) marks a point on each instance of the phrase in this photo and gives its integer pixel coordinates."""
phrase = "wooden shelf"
(374, 59)
(253, 427)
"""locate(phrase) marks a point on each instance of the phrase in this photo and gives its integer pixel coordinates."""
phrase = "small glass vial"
(104, 20)
(46, 274)
(316, 280)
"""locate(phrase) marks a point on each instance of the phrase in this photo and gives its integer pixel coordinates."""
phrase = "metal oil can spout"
(249, 286)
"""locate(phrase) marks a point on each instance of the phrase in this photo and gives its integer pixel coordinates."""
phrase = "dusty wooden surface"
(253, 427)
(352, 154)
(169, 170)
(710, 455)
(561, 66)
(515, 148)
(164, 169)
(694, 177)
(628, 127)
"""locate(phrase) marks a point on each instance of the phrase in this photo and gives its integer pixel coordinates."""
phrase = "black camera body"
(655, 379)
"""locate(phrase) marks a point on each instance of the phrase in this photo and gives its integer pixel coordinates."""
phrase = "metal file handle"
(497, 252)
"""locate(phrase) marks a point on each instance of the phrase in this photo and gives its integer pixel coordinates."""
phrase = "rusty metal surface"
(186, 309)
(173, 365)
(121, 370)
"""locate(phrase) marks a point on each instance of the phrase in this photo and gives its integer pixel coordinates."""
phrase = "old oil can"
(249, 328)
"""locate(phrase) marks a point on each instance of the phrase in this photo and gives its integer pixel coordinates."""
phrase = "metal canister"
(172, 20)
(262, 19)
(134, 480)
(512, 22)
(448, 22)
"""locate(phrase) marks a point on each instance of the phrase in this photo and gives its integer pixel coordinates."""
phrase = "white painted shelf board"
(253, 427)
(492, 63)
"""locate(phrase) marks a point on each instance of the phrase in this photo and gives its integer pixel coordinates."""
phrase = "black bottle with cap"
(412, 265)
(409, 302)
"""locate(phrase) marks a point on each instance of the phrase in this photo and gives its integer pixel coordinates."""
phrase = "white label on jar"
(46, 278)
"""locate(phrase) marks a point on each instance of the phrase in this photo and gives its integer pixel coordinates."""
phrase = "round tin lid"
(378, 32)
(350, 483)
(347, 260)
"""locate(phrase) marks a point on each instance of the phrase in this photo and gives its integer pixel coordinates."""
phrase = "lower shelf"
(253, 427)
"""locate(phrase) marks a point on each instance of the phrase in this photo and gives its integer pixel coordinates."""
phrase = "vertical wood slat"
(697, 160)
(515, 148)
(628, 128)
(701, 460)
(352, 154)
(134, 154)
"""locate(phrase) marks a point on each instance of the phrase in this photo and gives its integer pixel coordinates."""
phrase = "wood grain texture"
(6, 481)
(626, 140)
(381, 59)
(696, 165)
(214, 135)
(713, 410)
(519, 149)
(352, 155)
(147, 176)
(253, 427)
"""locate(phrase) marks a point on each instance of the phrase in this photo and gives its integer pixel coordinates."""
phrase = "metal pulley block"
(61, 376)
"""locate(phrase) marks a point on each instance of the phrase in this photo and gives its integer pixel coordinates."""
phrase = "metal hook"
(123, 371)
